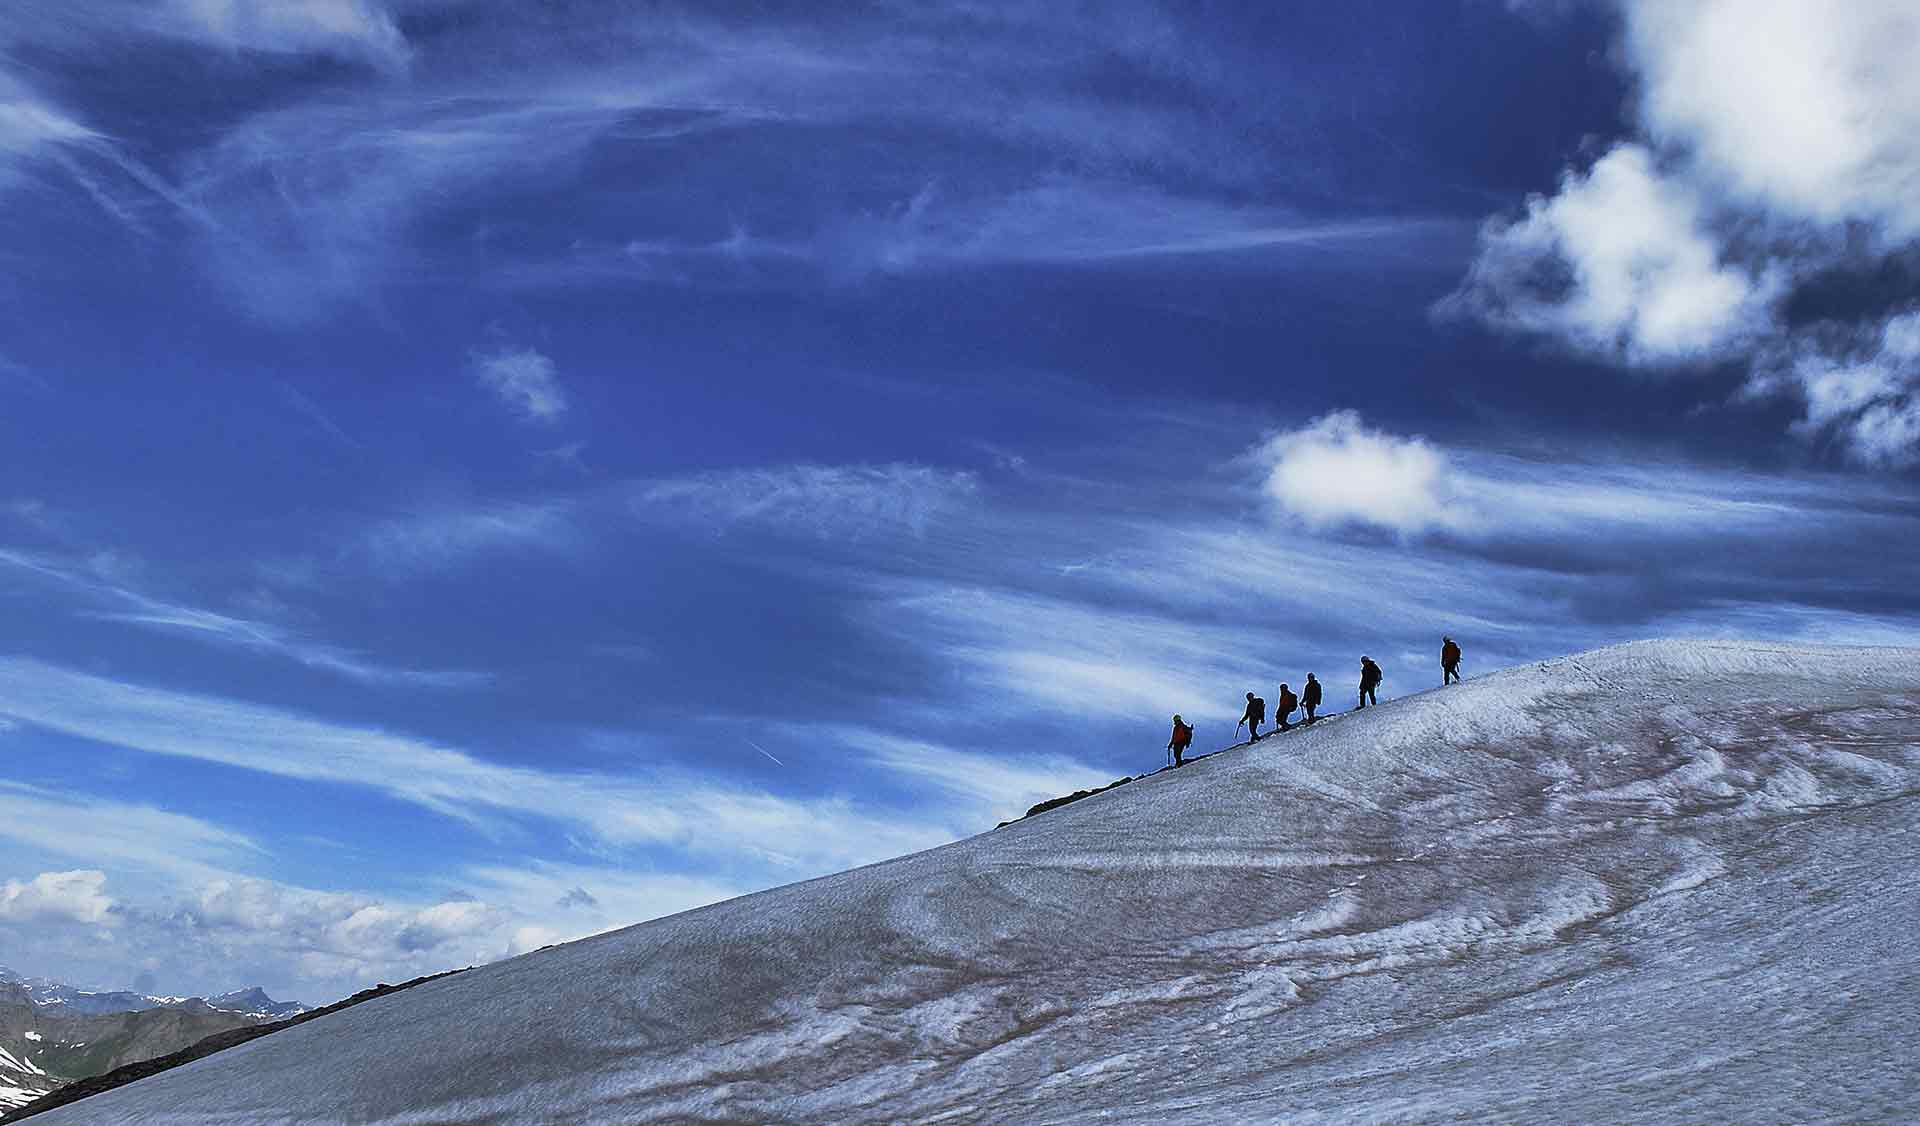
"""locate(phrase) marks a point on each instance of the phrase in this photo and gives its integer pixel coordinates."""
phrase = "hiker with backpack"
(1370, 676)
(1283, 706)
(1449, 661)
(1182, 739)
(1253, 717)
(1310, 697)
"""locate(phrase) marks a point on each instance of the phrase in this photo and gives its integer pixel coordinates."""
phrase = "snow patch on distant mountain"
(47, 993)
(52, 1033)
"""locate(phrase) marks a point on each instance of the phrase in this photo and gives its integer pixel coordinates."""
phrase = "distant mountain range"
(52, 1033)
(50, 995)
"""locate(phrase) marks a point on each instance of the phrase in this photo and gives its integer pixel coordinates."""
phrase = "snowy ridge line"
(1659, 655)
(1080, 795)
(1519, 899)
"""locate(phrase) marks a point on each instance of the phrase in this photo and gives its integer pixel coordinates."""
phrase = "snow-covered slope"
(22, 1080)
(1668, 881)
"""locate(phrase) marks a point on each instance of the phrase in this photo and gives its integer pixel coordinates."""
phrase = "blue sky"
(472, 476)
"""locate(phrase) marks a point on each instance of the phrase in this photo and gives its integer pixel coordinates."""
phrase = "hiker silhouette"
(1370, 676)
(1254, 716)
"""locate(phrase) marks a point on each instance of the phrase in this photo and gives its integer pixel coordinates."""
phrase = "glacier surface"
(1667, 880)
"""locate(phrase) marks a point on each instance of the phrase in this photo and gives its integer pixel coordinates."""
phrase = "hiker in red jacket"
(1283, 707)
(1449, 661)
(1182, 739)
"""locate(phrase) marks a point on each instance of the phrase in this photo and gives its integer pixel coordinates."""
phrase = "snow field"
(1661, 881)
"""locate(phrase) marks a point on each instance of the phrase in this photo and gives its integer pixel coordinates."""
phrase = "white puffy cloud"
(1778, 140)
(1336, 471)
(344, 934)
(78, 896)
(1865, 392)
(186, 908)
(227, 930)
(1805, 108)
(1618, 262)
(526, 381)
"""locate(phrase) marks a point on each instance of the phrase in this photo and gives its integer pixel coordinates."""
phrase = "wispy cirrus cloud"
(526, 381)
(851, 501)
(317, 202)
(321, 203)
(349, 30)
(102, 580)
(1069, 653)
(1002, 784)
(1065, 221)
(37, 133)
(443, 536)
(118, 834)
(16, 376)
(826, 500)
(686, 812)
(357, 30)
(309, 409)
(30, 124)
